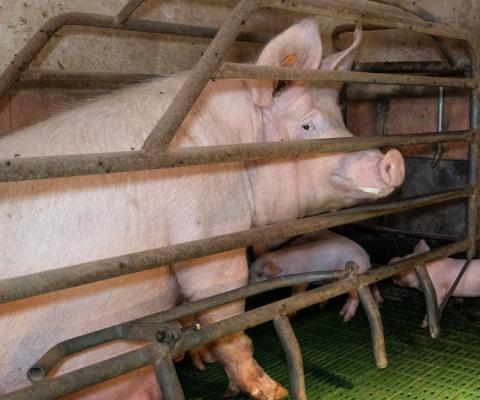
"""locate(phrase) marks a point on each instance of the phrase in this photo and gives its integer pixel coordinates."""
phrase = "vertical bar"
(441, 106)
(294, 357)
(430, 301)
(473, 177)
(376, 326)
(167, 378)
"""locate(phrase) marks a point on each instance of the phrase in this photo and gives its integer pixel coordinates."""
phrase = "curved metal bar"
(168, 379)
(293, 354)
(430, 300)
(74, 381)
(376, 326)
(453, 287)
(61, 278)
(52, 357)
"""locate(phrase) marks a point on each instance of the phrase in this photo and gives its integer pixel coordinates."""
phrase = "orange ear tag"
(289, 60)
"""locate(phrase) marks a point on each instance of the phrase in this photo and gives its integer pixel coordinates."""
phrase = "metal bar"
(454, 285)
(61, 278)
(88, 376)
(168, 379)
(56, 387)
(430, 300)
(128, 9)
(414, 8)
(44, 365)
(230, 70)
(293, 354)
(376, 326)
(18, 169)
(440, 113)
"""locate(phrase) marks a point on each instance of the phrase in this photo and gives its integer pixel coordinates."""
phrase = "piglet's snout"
(392, 168)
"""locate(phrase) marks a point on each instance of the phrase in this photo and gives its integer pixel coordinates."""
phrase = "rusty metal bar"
(128, 9)
(62, 278)
(230, 70)
(69, 383)
(454, 285)
(44, 365)
(17, 169)
(430, 300)
(293, 354)
(376, 326)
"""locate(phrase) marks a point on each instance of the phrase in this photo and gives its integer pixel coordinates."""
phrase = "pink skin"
(321, 251)
(443, 273)
(75, 220)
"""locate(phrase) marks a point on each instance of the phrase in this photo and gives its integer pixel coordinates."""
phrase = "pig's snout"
(392, 169)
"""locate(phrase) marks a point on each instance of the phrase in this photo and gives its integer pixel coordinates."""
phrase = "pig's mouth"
(360, 191)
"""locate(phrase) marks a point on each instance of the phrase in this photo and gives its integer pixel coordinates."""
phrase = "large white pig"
(322, 251)
(443, 273)
(51, 223)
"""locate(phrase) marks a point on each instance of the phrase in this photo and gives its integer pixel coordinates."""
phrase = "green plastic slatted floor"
(338, 361)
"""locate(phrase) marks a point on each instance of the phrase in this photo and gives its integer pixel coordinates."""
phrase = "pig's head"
(302, 110)
(263, 268)
(409, 279)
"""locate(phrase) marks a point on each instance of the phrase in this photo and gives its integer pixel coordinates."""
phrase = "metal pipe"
(430, 300)
(229, 70)
(454, 285)
(88, 376)
(65, 384)
(128, 9)
(293, 354)
(18, 169)
(167, 379)
(376, 326)
(45, 364)
(440, 112)
(62, 278)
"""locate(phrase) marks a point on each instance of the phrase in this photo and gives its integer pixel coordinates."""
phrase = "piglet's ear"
(299, 47)
(271, 269)
(421, 247)
(343, 60)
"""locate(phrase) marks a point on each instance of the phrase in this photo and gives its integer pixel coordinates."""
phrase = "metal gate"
(166, 338)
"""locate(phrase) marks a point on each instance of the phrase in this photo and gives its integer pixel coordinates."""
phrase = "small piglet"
(321, 251)
(443, 273)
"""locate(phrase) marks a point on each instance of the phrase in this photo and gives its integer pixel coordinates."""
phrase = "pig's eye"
(307, 127)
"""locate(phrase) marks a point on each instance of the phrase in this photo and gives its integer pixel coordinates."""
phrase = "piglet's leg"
(350, 308)
(219, 273)
(297, 289)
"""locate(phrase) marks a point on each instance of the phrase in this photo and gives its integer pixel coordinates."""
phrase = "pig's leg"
(143, 388)
(350, 308)
(297, 289)
(220, 273)
(198, 354)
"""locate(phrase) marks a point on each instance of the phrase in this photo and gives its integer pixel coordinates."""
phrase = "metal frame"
(165, 338)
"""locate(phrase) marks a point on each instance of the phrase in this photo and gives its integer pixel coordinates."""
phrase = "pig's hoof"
(259, 387)
(201, 354)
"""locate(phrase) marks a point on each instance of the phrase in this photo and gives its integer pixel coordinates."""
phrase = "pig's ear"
(343, 60)
(271, 269)
(299, 46)
(421, 247)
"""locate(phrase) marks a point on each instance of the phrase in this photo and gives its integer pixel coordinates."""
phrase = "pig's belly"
(53, 223)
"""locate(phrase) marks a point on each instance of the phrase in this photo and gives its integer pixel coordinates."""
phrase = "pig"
(322, 251)
(51, 223)
(443, 273)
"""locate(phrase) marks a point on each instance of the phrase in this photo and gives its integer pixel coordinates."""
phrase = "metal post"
(168, 379)
(376, 326)
(430, 300)
(294, 357)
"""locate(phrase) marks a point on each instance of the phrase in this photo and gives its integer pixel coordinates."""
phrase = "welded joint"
(163, 334)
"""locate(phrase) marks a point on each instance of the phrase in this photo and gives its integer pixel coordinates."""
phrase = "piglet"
(443, 273)
(321, 251)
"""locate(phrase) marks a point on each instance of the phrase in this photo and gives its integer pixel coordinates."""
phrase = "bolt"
(160, 336)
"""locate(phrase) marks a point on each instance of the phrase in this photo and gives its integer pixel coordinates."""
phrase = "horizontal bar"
(52, 357)
(337, 10)
(230, 70)
(18, 169)
(80, 274)
(74, 381)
